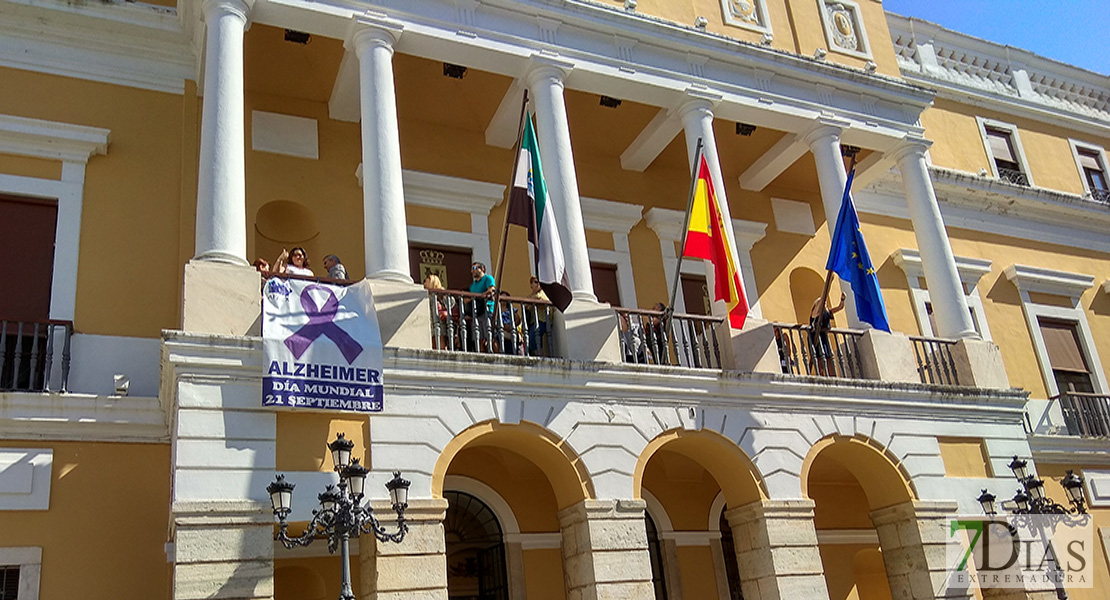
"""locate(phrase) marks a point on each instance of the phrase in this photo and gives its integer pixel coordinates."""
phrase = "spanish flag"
(707, 238)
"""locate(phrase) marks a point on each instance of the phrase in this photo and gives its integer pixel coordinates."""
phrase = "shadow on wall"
(806, 286)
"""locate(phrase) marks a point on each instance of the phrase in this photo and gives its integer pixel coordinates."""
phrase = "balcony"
(1099, 195)
(1086, 415)
(35, 355)
(1013, 176)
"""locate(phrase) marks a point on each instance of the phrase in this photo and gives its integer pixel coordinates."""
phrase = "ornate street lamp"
(341, 515)
(1031, 499)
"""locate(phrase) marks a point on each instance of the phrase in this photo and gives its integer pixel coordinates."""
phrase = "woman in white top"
(294, 262)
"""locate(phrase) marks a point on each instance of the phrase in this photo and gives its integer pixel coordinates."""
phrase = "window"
(1091, 161)
(1062, 338)
(19, 573)
(476, 565)
(605, 283)
(1003, 145)
(695, 291)
(1069, 366)
(451, 265)
(1005, 159)
(970, 270)
(9, 583)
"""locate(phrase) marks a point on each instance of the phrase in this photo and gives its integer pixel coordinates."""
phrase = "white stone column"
(383, 197)
(221, 234)
(946, 291)
(824, 142)
(545, 86)
(697, 122)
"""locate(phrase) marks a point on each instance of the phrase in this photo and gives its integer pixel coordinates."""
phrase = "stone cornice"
(667, 225)
(1069, 450)
(51, 140)
(82, 417)
(979, 203)
(123, 43)
(1049, 281)
(451, 193)
(1015, 81)
(606, 215)
(971, 270)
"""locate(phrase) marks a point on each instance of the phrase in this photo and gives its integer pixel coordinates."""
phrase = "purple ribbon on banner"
(321, 321)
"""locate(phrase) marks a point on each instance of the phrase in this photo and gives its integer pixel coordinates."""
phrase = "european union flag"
(848, 257)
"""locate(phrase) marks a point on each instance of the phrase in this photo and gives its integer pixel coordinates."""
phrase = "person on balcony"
(820, 321)
(336, 270)
(293, 262)
(433, 284)
(480, 311)
(512, 335)
(537, 325)
(632, 339)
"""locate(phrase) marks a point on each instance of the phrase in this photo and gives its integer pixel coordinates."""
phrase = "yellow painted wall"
(964, 457)
(543, 574)
(134, 189)
(1052, 474)
(112, 496)
(958, 144)
(844, 577)
(302, 439)
(516, 479)
(600, 240)
(24, 166)
(699, 577)
(684, 488)
(316, 578)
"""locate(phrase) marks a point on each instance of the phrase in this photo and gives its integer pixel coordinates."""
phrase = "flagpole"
(667, 314)
(829, 273)
(512, 181)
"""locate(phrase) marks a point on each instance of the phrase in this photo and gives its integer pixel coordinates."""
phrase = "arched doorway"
(728, 549)
(476, 568)
(849, 479)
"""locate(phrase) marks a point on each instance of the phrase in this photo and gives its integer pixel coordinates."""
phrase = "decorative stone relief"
(748, 14)
(844, 31)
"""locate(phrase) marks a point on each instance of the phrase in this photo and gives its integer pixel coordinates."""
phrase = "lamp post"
(341, 515)
(1031, 499)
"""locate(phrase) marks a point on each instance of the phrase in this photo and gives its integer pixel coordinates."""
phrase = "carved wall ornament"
(844, 29)
(747, 14)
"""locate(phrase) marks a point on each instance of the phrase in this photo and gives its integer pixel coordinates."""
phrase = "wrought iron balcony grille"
(1013, 176)
(935, 364)
(32, 354)
(692, 341)
(466, 322)
(1100, 195)
(1085, 414)
(802, 352)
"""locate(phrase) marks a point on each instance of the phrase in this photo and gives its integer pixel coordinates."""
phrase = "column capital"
(242, 8)
(910, 144)
(373, 28)
(824, 127)
(698, 101)
(547, 65)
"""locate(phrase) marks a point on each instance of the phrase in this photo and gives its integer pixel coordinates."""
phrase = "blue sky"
(1073, 31)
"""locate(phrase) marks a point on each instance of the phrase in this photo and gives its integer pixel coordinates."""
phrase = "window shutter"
(1000, 145)
(1089, 160)
(1062, 343)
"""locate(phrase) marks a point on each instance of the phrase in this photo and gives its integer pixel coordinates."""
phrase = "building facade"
(149, 152)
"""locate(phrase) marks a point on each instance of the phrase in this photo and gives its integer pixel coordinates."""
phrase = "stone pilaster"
(416, 568)
(223, 550)
(776, 550)
(605, 553)
(913, 537)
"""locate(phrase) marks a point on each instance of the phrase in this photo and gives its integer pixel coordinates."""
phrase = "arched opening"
(526, 474)
(687, 474)
(476, 565)
(848, 478)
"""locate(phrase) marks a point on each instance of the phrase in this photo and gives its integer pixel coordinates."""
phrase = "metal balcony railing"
(1086, 414)
(33, 352)
(803, 352)
(466, 322)
(1102, 196)
(644, 339)
(1013, 176)
(935, 364)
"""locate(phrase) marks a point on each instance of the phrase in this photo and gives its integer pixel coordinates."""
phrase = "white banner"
(321, 346)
